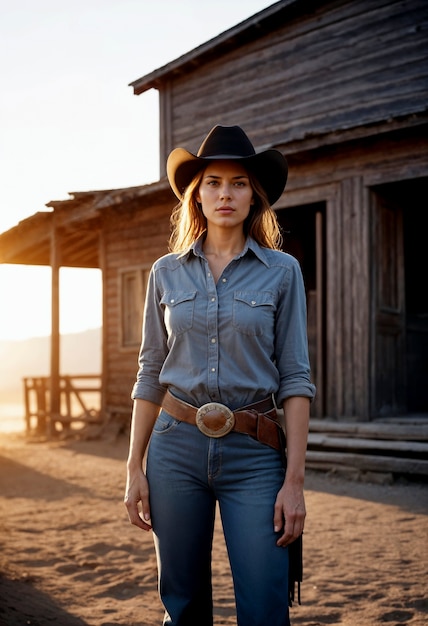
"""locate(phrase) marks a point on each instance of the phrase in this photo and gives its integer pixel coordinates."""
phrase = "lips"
(225, 208)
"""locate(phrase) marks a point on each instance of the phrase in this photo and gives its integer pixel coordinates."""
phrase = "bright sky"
(69, 122)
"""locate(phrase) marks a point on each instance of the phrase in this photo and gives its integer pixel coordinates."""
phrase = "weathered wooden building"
(341, 88)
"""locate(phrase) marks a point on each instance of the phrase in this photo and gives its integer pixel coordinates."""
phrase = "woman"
(224, 328)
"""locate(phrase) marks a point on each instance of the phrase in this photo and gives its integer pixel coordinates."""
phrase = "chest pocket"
(179, 310)
(254, 312)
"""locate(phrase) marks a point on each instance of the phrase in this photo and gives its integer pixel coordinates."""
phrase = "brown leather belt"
(259, 420)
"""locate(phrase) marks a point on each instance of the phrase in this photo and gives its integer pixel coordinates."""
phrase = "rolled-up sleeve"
(291, 343)
(153, 349)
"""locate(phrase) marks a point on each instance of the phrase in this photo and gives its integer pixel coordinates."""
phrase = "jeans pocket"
(164, 423)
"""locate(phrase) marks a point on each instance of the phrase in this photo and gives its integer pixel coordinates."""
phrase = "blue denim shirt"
(235, 342)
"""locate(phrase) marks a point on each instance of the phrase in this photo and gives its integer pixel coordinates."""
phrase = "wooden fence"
(80, 403)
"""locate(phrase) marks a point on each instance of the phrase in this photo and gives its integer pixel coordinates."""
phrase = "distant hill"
(80, 354)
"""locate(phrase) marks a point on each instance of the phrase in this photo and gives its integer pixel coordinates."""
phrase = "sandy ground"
(69, 557)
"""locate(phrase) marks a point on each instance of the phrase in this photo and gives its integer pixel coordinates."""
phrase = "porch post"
(54, 409)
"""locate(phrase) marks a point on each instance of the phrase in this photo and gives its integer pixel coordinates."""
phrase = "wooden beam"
(342, 444)
(365, 463)
(55, 332)
(373, 430)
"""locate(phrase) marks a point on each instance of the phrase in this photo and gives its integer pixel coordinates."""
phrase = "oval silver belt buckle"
(214, 419)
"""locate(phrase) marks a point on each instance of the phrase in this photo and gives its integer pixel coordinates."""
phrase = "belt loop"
(258, 421)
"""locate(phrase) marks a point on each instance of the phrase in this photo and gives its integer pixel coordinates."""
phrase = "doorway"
(400, 300)
(303, 231)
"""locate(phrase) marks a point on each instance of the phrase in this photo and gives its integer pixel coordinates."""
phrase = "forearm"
(144, 414)
(296, 415)
(290, 510)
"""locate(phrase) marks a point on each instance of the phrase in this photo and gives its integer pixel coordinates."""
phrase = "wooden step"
(327, 461)
(395, 447)
(412, 431)
(317, 441)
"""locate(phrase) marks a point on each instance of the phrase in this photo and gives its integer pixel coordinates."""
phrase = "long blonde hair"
(188, 221)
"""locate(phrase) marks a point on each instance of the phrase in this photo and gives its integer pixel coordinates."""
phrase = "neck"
(224, 244)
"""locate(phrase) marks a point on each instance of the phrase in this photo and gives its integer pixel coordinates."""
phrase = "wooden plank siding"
(343, 179)
(134, 237)
(342, 66)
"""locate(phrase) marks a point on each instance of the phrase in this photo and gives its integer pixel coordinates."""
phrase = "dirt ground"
(69, 557)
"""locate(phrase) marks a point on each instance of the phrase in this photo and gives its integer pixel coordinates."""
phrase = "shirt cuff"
(149, 393)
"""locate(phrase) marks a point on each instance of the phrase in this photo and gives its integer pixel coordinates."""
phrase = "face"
(225, 194)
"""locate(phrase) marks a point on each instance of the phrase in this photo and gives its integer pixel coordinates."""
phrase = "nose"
(225, 191)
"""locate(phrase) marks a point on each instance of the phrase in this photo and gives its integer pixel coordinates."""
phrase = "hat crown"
(226, 141)
(269, 167)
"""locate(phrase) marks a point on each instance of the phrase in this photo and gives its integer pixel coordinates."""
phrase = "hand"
(137, 491)
(289, 513)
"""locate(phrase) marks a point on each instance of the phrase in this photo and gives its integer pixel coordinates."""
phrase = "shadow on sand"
(21, 603)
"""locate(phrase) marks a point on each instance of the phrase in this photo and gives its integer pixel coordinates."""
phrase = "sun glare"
(25, 301)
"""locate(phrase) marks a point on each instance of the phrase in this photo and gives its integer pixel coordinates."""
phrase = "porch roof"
(77, 221)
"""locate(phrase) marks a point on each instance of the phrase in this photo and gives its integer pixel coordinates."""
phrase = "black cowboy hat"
(228, 143)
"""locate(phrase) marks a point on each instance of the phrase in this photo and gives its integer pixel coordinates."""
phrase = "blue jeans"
(188, 473)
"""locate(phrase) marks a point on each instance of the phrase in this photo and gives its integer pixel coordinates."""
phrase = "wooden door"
(413, 199)
(388, 359)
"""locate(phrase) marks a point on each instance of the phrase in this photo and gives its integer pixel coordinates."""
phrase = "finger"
(142, 524)
(145, 505)
(278, 519)
(286, 538)
(135, 517)
(293, 528)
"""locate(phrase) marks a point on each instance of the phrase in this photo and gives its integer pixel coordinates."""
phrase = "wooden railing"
(80, 404)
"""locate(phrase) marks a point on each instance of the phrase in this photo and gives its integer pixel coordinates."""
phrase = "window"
(133, 284)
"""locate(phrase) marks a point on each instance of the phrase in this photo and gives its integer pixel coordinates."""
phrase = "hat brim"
(269, 167)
